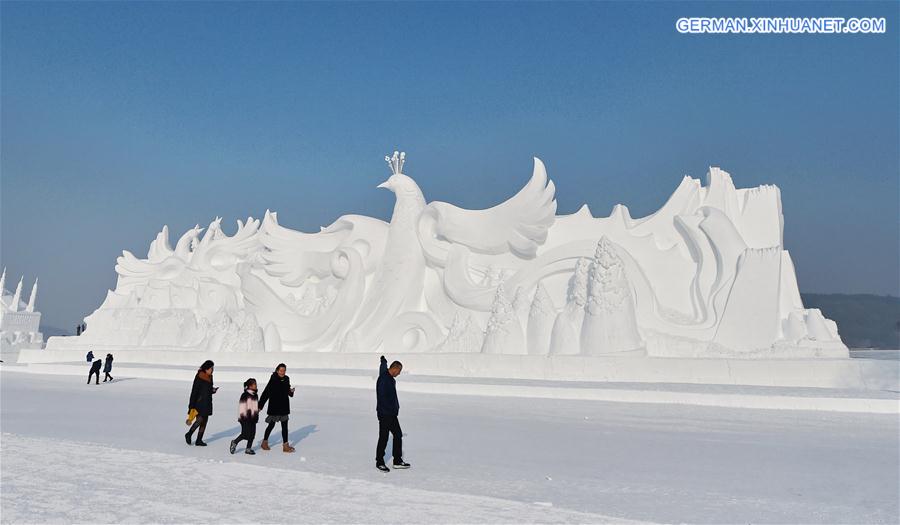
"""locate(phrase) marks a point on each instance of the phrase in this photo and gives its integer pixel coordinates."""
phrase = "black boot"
(187, 437)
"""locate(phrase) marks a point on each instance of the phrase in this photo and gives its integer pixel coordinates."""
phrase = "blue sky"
(118, 118)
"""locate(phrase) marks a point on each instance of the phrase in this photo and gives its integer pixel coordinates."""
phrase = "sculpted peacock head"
(399, 183)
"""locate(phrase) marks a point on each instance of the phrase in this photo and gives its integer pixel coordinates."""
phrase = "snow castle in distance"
(705, 276)
(19, 322)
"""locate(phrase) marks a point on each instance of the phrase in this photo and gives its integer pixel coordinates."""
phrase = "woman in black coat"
(201, 401)
(278, 393)
(107, 368)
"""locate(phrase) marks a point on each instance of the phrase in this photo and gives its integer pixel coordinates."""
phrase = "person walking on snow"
(278, 393)
(89, 356)
(95, 369)
(201, 401)
(388, 408)
(107, 368)
(248, 416)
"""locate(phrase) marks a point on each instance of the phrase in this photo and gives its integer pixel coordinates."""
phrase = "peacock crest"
(396, 161)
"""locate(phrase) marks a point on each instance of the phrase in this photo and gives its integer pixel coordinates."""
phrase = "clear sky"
(118, 118)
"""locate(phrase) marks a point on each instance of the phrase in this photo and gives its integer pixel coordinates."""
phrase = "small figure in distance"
(388, 408)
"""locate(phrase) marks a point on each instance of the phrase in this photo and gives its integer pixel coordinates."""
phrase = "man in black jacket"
(95, 369)
(388, 408)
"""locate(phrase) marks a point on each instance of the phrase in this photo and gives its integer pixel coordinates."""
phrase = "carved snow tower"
(566, 335)
(609, 324)
(504, 331)
(20, 324)
(541, 317)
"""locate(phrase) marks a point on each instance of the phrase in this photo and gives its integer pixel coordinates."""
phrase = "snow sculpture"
(706, 275)
(464, 336)
(504, 331)
(565, 336)
(187, 297)
(609, 324)
(541, 317)
(19, 323)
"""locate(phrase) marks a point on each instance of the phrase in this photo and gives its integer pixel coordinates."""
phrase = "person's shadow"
(293, 437)
(233, 432)
(300, 434)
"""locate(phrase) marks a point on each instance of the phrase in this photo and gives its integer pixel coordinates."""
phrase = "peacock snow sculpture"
(705, 275)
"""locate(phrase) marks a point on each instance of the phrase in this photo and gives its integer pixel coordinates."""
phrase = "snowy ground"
(77, 453)
(160, 488)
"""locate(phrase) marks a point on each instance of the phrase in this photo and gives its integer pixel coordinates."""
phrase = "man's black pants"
(91, 374)
(388, 424)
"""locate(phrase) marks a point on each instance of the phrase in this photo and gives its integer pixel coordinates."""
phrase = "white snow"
(885, 400)
(49, 480)
(72, 452)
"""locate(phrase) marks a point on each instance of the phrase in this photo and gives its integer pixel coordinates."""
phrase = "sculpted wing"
(294, 256)
(518, 225)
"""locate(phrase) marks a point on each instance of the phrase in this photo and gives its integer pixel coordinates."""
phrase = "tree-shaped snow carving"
(609, 323)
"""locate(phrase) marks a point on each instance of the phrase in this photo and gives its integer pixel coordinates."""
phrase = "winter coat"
(277, 393)
(96, 366)
(248, 407)
(90, 356)
(107, 368)
(201, 394)
(386, 390)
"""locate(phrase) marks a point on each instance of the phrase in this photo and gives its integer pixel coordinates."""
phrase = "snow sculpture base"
(496, 290)
(820, 372)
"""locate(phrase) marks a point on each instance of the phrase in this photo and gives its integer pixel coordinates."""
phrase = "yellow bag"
(192, 414)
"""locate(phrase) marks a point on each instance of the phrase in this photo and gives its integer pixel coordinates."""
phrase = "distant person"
(78, 330)
(248, 417)
(278, 393)
(388, 408)
(95, 369)
(107, 368)
(201, 401)
(89, 356)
